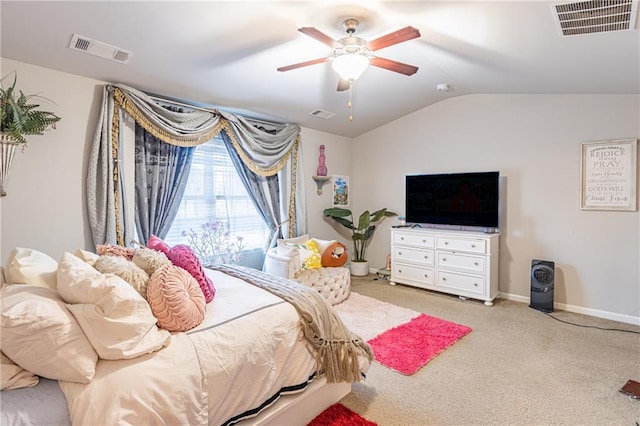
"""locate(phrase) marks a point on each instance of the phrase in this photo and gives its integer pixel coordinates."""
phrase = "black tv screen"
(465, 199)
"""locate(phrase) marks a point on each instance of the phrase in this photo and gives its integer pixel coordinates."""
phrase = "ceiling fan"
(352, 55)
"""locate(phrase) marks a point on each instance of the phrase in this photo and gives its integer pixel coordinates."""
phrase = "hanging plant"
(19, 117)
(20, 114)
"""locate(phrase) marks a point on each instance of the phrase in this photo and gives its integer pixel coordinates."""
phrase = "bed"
(250, 362)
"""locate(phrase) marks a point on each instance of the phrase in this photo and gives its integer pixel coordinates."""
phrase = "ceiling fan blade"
(303, 64)
(395, 66)
(320, 36)
(343, 85)
(395, 37)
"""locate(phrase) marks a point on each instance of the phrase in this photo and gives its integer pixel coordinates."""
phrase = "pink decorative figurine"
(322, 167)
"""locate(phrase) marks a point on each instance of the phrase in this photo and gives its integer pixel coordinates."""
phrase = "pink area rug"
(339, 415)
(410, 346)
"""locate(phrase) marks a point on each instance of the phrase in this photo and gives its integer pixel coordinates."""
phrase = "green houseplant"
(361, 231)
(19, 116)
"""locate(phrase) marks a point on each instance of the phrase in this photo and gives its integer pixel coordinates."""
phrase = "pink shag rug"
(410, 346)
(339, 415)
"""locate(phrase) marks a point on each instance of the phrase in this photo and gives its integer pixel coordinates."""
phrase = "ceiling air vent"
(322, 114)
(97, 48)
(596, 16)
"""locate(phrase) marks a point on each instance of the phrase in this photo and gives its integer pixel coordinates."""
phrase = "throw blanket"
(336, 347)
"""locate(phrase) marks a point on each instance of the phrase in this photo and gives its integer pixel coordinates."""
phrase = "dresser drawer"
(401, 272)
(414, 239)
(467, 283)
(461, 244)
(461, 261)
(406, 254)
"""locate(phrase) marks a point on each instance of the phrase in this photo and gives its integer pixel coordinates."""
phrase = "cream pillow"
(296, 240)
(13, 376)
(323, 244)
(125, 269)
(41, 336)
(89, 257)
(290, 252)
(28, 266)
(150, 260)
(115, 318)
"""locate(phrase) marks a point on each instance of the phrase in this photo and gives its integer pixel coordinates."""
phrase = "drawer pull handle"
(399, 253)
(444, 279)
(473, 246)
(402, 238)
(426, 257)
(444, 259)
(475, 284)
(446, 243)
(400, 271)
(426, 276)
(424, 241)
(475, 263)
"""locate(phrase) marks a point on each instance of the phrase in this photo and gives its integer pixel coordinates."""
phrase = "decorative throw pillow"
(150, 260)
(158, 244)
(323, 244)
(13, 376)
(296, 240)
(41, 336)
(125, 269)
(309, 255)
(176, 299)
(113, 250)
(28, 266)
(334, 255)
(87, 256)
(182, 256)
(115, 318)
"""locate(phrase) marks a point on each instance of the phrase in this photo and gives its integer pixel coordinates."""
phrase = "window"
(214, 194)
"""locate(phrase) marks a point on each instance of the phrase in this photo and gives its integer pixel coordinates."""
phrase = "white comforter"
(247, 349)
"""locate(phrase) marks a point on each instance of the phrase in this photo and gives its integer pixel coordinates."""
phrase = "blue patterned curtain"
(263, 190)
(162, 172)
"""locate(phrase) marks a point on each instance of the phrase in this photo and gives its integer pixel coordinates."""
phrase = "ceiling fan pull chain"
(350, 99)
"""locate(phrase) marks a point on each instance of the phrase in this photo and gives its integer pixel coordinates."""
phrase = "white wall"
(534, 141)
(339, 162)
(44, 208)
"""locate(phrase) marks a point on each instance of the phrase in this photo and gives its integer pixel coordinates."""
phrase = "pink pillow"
(175, 299)
(182, 256)
(157, 244)
(114, 250)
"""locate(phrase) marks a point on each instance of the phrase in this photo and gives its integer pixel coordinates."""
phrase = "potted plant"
(361, 233)
(19, 117)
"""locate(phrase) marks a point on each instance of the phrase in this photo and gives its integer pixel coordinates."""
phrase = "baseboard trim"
(628, 319)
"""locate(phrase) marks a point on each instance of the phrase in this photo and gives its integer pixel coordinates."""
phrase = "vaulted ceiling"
(226, 54)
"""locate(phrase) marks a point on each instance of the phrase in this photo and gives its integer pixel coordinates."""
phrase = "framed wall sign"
(340, 191)
(608, 175)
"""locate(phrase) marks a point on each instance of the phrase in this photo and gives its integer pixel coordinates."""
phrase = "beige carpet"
(517, 367)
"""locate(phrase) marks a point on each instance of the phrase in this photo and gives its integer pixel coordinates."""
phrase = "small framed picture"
(340, 190)
(608, 175)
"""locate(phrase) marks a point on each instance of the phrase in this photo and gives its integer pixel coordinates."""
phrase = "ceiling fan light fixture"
(350, 66)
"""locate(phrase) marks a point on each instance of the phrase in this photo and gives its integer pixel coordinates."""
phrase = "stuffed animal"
(334, 255)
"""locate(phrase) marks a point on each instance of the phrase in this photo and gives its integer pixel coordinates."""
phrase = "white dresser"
(457, 262)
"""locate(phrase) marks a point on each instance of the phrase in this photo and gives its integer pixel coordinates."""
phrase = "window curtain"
(162, 172)
(265, 153)
(263, 190)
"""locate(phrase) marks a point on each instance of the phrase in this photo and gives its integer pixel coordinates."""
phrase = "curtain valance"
(265, 149)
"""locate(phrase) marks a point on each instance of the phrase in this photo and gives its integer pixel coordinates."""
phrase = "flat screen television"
(463, 199)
